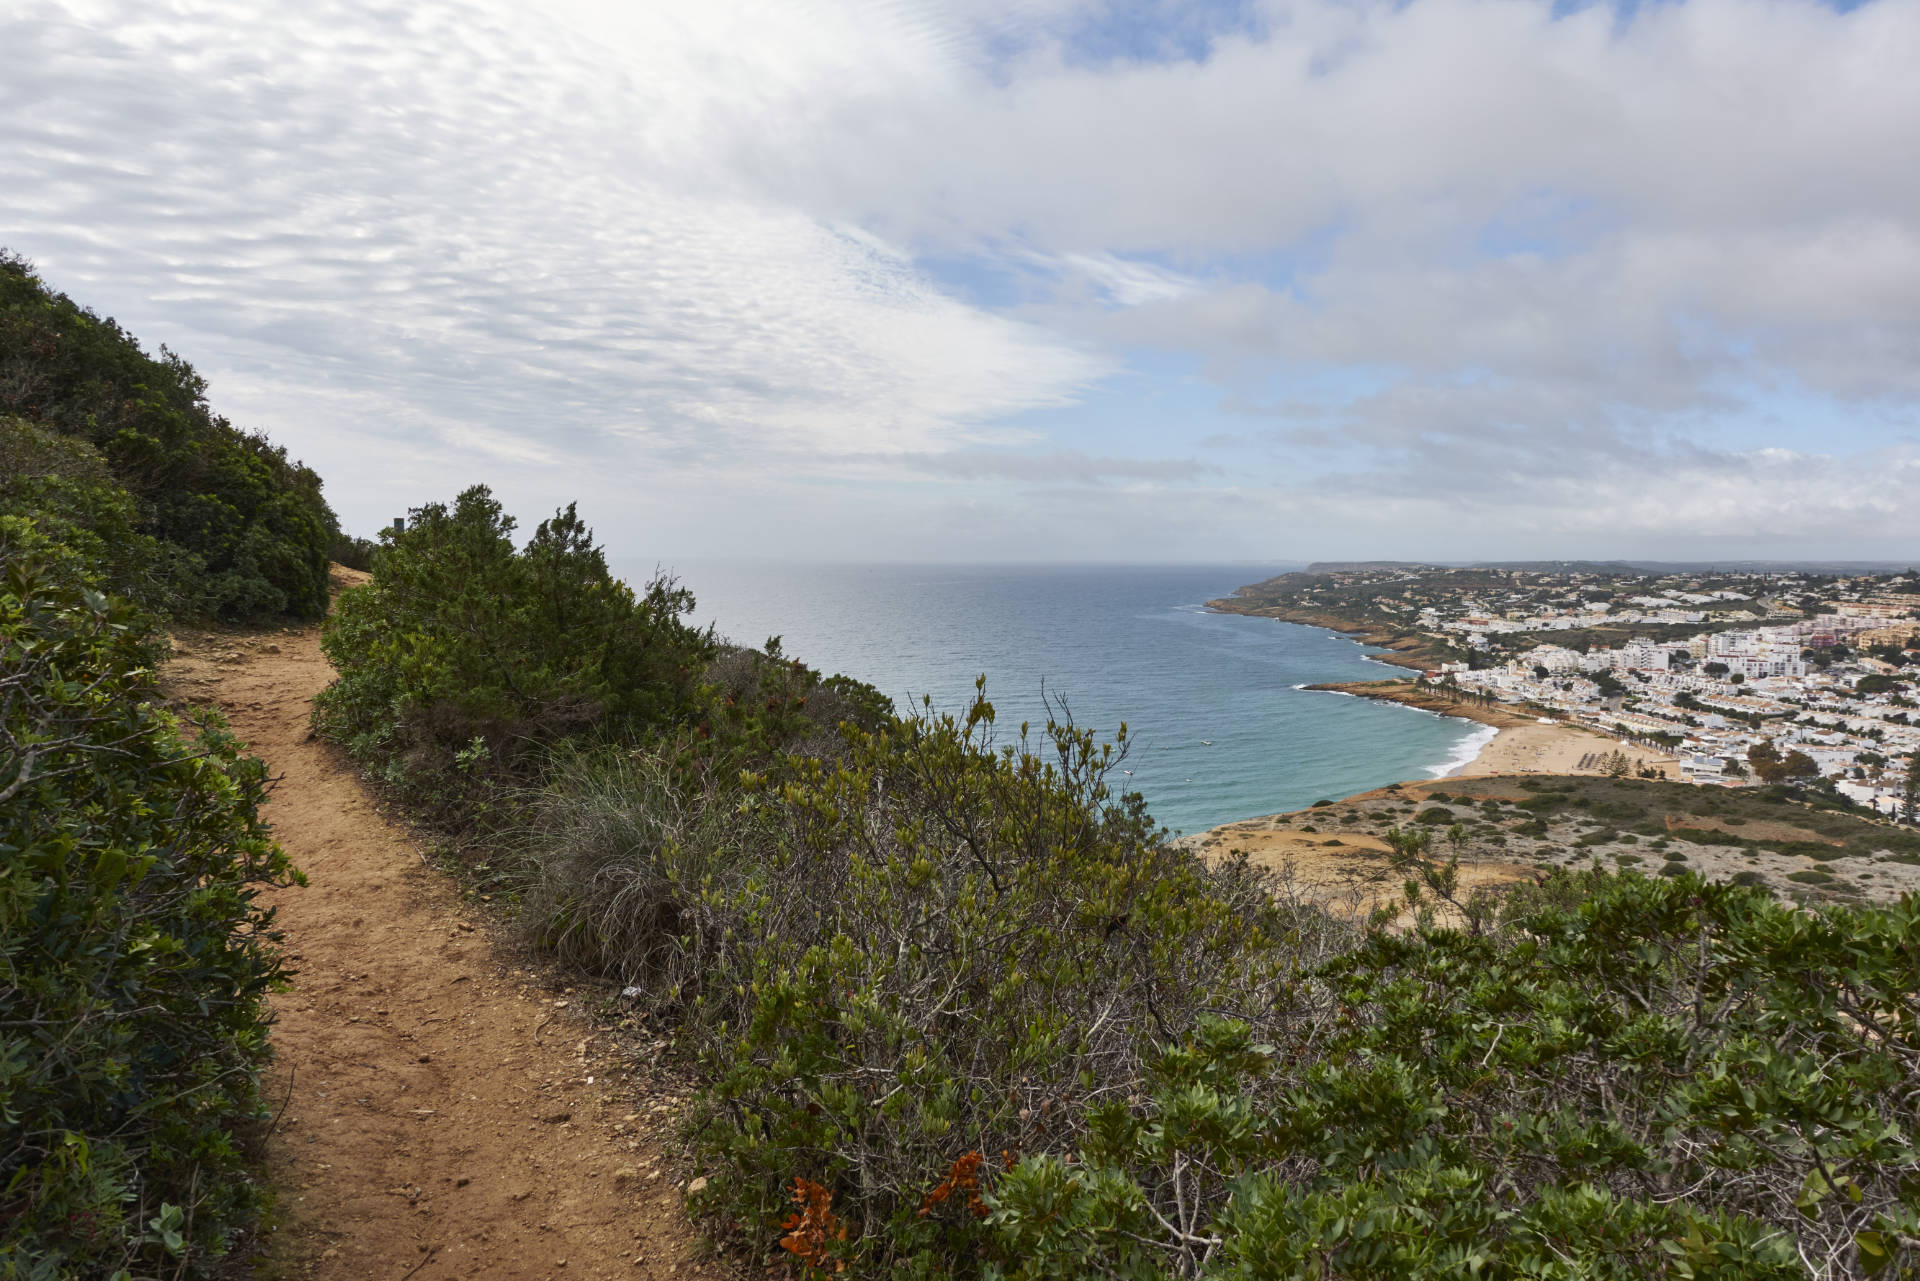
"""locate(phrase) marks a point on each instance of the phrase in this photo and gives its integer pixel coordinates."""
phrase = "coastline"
(1399, 651)
(1326, 850)
(1520, 744)
(1402, 690)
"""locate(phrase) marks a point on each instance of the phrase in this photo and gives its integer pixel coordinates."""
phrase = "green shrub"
(246, 530)
(967, 1006)
(464, 658)
(1435, 816)
(136, 959)
(929, 947)
(66, 488)
(1510, 1107)
(354, 553)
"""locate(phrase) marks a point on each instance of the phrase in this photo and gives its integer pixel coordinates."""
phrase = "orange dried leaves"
(810, 1231)
(962, 1177)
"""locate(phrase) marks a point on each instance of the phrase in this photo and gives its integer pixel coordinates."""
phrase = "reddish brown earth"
(447, 1115)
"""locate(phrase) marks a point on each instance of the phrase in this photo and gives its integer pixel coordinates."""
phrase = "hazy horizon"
(630, 566)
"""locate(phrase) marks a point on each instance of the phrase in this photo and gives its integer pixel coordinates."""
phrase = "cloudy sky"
(1021, 279)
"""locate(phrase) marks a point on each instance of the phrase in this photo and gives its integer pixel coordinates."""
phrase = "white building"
(1557, 659)
(1642, 655)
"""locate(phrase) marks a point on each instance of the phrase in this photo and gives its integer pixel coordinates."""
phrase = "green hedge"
(248, 529)
(67, 489)
(134, 957)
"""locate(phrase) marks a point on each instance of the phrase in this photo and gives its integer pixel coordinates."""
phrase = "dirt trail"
(446, 1115)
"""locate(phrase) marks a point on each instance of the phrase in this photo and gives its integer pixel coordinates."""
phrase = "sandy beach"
(1524, 744)
(1323, 858)
(1556, 748)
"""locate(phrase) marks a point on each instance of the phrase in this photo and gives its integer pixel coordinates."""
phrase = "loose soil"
(446, 1114)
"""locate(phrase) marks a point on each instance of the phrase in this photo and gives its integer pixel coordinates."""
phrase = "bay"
(1220, 728)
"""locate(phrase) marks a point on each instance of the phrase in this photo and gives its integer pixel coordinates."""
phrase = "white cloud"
(493, 230)
(1551, 266)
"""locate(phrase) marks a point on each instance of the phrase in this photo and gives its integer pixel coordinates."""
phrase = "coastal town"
(1741, 678)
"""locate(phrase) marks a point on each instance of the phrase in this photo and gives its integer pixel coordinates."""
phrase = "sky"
(1038, 280)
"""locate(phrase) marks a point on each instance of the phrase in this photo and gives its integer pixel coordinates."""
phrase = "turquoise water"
(1221, 732)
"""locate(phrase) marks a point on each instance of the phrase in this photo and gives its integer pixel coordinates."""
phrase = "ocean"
(1221, 729)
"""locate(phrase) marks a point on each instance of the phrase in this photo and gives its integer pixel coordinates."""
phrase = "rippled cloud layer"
(1060, 279)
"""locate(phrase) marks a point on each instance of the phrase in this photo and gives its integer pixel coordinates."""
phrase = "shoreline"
(1470, 752)
(1521, 743)
(1401, 690)
(1399, 651)
(1508, 741)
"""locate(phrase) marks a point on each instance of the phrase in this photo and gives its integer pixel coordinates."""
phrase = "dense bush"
(247, 529)
(924, 948)
(465, 666)
(464, 659)
(354, 553)
(1657, 1078)
(67, 489)
(134, 957)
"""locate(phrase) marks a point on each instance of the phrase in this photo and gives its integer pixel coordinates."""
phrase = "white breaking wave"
(1464, 752)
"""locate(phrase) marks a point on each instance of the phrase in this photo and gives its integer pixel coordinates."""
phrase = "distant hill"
(1351, 566)
(1626, 566)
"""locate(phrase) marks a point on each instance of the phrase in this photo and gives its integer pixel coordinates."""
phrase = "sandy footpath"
(445, 1115)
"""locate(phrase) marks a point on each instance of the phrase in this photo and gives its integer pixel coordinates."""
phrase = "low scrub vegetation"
(1789, 819)
(935, 966)
(134, 957)
(922, 949)
(961, 1009)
